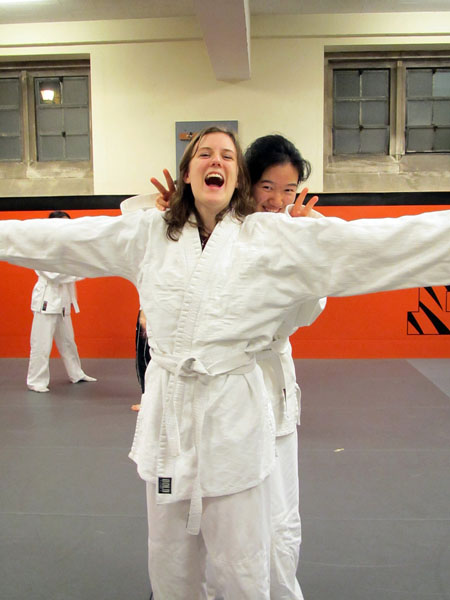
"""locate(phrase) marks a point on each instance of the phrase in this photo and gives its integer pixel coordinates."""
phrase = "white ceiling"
(225, 23)
(36, 11)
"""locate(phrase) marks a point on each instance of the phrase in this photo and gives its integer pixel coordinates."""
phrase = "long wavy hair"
(182, 204)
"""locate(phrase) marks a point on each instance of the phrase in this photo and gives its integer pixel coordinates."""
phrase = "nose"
(276, 199)
(216, 159)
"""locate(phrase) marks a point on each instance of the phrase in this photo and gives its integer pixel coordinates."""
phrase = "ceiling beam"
(226, 31)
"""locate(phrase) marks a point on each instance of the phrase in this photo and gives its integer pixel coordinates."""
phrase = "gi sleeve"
(305, 313)
(333, 257)
(141, 202)
(85, 247)
(302, 315)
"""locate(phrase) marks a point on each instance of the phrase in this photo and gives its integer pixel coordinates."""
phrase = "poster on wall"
(185, 130)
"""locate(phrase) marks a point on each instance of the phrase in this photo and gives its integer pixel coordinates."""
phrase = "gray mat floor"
(374, 476)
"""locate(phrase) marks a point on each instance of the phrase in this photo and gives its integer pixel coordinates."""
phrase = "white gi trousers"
(234, 538)
(285, 525)
(45, 329)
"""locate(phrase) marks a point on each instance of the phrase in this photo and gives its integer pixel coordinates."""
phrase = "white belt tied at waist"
(190, 366)
(274, 357)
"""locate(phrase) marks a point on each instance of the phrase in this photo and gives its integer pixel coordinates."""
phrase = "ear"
(186, 177)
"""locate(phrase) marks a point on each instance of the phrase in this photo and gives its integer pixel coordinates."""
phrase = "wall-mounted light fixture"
(50, 91)
(47, 95)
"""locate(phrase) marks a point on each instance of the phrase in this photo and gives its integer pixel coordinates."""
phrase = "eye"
(266, 188)
(228, 157)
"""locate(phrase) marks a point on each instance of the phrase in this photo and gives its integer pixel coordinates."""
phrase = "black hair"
(59, 214)
(271, 150)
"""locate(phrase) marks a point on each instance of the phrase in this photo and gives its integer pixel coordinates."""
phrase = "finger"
(298, 210)
(159, 186)
(311, 203)
(301, 197)
(162, 203)
(169, 181)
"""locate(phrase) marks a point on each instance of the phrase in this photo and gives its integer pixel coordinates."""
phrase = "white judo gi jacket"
(206, 426)
(276, 362)
(54, 293)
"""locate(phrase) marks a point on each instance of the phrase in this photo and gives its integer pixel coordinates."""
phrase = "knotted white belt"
(272, 355)
(191, 366)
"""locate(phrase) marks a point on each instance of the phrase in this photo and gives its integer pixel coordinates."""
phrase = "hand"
(301, 210)
(142, 320)
(163, 200)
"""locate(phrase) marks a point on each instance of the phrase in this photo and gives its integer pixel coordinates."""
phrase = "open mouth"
(214, 180)
(271, 210)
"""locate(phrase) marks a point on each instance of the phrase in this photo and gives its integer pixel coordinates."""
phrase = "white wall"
(140, 91)
(145, 75)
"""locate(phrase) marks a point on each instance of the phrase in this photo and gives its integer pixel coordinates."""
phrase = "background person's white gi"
(285, 394)
(52, 298)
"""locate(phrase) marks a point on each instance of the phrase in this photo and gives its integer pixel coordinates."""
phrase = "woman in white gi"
(51, 301)
(205, 435)
(276, 169)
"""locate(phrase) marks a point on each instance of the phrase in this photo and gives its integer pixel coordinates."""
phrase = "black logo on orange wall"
(432, 316)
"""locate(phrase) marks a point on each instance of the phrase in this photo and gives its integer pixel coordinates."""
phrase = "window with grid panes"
(427, 110)
(44, 112)
(387, 121)
(62, 118)
(360, 111)
(390, 106)
(10, 119)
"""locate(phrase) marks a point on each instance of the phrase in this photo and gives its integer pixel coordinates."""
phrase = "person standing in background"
(51, 302)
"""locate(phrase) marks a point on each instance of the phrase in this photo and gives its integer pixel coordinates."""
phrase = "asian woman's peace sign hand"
(303, 210)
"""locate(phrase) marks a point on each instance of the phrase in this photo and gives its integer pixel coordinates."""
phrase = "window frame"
(29, 168)
(63, 106)
(433, 100)
(3, 77)
(362, 67)
(396, 161)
